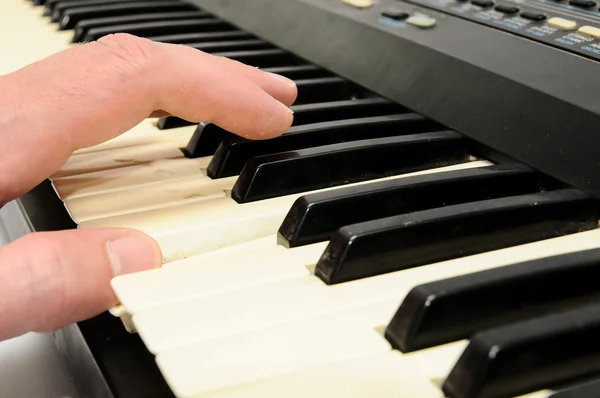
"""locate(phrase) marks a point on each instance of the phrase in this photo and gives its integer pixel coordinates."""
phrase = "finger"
(91, 93)
(159, 113)
(50, 280)
(226, 93)
(279, 87)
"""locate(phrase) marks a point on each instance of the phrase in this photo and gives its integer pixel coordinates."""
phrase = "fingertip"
(278, 86)
(276, 123)
(288, 90)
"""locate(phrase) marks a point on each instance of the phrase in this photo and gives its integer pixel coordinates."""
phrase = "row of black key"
(340, 137)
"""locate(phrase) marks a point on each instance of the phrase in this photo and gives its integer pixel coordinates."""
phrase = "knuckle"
(134, 52)
(50, 277)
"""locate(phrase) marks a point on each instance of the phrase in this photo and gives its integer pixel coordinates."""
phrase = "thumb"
(51, 279)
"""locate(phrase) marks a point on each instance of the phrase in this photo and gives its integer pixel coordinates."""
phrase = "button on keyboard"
(482, 3)
(533, 16)
(359, 3)
(583, 3)
(590, 31)
(561, 23)
(421, 21)
(507, 9)
(396, 15)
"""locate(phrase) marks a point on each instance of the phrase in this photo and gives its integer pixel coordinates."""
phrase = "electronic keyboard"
(375, 249)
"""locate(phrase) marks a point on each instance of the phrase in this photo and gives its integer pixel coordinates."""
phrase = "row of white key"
(219, 337)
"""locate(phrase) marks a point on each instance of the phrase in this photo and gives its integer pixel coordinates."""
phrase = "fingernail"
(288, 109)
(133, 253)
(282, 79)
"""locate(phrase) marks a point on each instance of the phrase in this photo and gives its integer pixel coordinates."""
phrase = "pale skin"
(85, 96)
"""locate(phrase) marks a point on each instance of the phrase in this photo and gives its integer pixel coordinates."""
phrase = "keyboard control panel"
(571, 25)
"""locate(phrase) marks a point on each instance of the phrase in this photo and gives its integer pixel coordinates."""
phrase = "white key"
(200, 227)
(145, 133)
(155, 196)
(381, 375)
(115, 158)
(173, 324)
(223, 362)
(208, 258)
(129, 177)
(195, 228)
(216, 272)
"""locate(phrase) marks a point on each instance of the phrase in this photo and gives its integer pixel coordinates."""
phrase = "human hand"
(85, 96)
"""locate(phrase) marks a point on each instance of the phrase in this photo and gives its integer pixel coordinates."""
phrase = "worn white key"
(195, 228)
(130, 177)
(115, 158)
(216, 272)
(200, 227)
(155, 196)
(145, 133)
(290, 299)
(223, 362)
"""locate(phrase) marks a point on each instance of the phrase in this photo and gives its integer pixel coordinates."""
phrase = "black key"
(339, 110)
(60, 8)
(261, 58)
(327, 166)
(172, 122)
(529, 356)
(313, 218)
(424, 237)
(72, 16)
(584, 390)
(442, 311)
(50, 5)
(82, 27)
(583, 3)
(145, 29)
(195, 37)
(298, 72)
(324, 89)
(208, 137)
(235, 45)
(234, 152)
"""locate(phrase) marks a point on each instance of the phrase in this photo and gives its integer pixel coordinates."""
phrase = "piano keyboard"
(367, 252)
